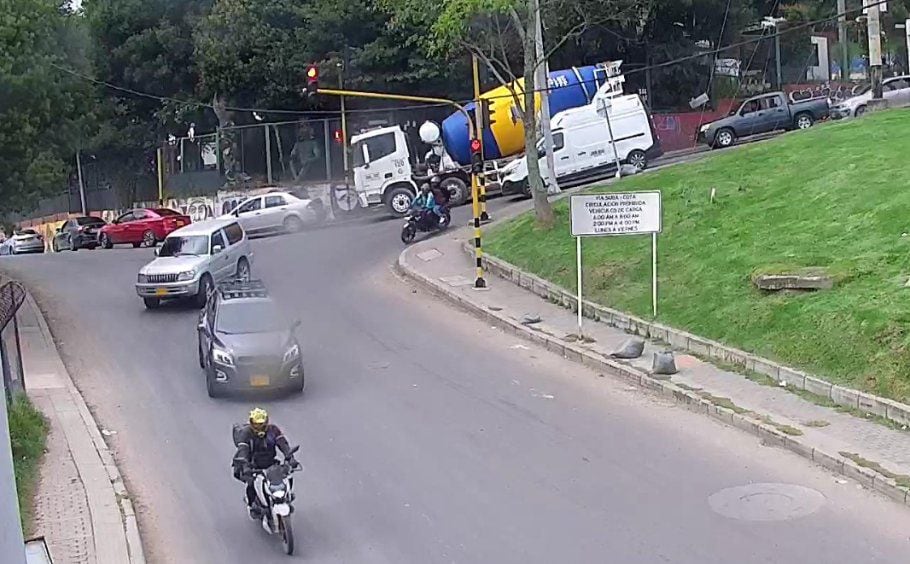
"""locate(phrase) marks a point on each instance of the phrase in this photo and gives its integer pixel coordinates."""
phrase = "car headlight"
(705, 127)
(222, 356)
(186, 275)
(142, 278)
(292, 353)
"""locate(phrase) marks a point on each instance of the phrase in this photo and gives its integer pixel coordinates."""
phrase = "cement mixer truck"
(386, 173)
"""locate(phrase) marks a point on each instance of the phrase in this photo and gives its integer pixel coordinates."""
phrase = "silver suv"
(193, 259)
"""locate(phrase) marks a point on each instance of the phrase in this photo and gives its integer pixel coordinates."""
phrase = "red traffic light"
(475, 145)
(339, 136)
(312, 73)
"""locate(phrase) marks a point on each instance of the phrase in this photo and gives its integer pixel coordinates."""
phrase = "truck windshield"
(379, 146)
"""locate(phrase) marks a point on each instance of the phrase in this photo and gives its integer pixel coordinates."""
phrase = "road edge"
(129, 521)
(768, 434)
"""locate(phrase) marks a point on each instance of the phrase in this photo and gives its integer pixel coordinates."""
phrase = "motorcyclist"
(425, 201)
(256, 450)
(440, 196)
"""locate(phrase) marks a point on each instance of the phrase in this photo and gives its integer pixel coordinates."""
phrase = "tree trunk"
(542, 207)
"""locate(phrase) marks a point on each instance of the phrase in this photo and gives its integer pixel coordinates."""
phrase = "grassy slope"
(837, 196)
(28, 434)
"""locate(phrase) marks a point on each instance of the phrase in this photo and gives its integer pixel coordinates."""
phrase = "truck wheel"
(458, 190)
(804, 121)
(638, 159)
(398, 200)
(724, 138)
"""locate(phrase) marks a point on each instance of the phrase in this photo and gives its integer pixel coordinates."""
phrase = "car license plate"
(160, 291)
(259, 380)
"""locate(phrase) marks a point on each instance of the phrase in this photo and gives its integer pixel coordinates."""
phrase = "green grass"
(835, 196)
(28, 435)
(902, 480)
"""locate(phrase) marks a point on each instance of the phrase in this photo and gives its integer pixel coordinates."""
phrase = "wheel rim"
(105, 241)
(148, 239)
(401, 203)
(724, 138)
(637, 160)
(292, 224)
(804, 122)
(243, 271)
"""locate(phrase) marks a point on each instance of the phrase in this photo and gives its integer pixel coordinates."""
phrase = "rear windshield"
(260, 316)
(90, 221)
(176, 246)
(165, 212)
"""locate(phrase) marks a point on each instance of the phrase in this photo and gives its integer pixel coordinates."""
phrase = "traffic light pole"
(479, 281)
(480, 122)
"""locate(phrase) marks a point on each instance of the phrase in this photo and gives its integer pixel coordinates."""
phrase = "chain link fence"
(12, 296)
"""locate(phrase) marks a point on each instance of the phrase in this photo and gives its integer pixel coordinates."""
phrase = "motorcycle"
(423, 221)
(274, 489)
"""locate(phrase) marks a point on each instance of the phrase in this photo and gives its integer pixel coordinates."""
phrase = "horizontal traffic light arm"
(400, 97)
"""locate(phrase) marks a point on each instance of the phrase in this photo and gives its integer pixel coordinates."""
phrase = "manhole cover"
(766, 502)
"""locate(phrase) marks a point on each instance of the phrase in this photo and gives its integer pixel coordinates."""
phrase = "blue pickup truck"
(763, 114)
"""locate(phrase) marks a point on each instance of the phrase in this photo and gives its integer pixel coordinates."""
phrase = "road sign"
(620, 213)
(617, 213)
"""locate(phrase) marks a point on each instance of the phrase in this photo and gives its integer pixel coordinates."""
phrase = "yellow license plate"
(160, 291)
(259, 380)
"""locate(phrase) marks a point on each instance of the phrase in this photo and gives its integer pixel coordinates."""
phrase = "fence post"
(268, 153)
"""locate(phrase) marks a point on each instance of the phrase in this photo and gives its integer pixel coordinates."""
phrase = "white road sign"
(618, 213)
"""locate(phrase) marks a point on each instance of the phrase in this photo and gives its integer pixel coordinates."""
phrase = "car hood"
(172, 265)
(855, 101)
(274, 343)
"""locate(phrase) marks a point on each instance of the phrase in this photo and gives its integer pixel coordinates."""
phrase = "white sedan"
(277, 212)
(24, 241)
(896, 90)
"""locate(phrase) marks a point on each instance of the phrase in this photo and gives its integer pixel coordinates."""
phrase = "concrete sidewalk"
(81, 508)
(877, 454)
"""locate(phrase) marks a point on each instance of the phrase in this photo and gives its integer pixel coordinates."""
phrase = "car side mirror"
(217, 249)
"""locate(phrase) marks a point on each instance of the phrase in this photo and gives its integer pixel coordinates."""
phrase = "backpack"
(236, 432)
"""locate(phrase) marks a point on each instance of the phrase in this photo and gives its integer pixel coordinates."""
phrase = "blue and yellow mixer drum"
(569, 88)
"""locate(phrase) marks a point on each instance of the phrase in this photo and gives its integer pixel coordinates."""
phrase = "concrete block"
(722, 413)
(807, 281)
(816, 386)
(651, 384)
(556, 346)
(762, 366)
(771, 435)
(733, 356)
(871, 404)
(864, 476)
(889, 488)
(897, 412)
(793, 444)
(745, 424)
(572, 354)
(678, 340)
(845, 396)
(699, 346)
(835, 464)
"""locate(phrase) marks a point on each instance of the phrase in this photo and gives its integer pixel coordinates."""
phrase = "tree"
(40, 106)
(501, 33)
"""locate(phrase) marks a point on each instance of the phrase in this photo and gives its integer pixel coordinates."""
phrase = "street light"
(769, 22)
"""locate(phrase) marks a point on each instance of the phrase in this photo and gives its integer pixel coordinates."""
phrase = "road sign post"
(617, 213)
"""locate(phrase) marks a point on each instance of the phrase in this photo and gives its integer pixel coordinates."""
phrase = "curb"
(127, 511)
(768, 434)
(867, 403)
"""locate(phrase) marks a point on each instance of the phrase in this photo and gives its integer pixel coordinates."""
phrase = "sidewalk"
(81, 507)
(875, 454)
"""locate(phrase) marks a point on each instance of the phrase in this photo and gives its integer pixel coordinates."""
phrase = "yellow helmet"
(259, 420)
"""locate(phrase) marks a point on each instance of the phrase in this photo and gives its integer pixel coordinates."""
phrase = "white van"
(582, 147)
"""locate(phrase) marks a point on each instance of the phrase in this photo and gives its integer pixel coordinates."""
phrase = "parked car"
(245, 343)
(896, 90)
(78, 233)
(763, 114)
(23, 241)
(193, 259)
(142, 227)
(278, 211)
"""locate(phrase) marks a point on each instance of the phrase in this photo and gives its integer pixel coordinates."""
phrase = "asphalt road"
(427, 436)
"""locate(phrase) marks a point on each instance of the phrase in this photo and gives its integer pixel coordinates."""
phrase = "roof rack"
(238, 288)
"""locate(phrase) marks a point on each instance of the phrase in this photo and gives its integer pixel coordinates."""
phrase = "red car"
(142, 227)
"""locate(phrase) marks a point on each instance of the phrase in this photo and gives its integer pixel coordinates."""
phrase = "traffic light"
(338, 136)
(312, 80)
(476, 157)
(484, 116)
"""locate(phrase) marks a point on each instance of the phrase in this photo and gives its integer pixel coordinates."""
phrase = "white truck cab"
(382, 169)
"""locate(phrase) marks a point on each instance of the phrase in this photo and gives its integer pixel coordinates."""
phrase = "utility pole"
(842, 39)
(81, 183)
(542, 86)
(875, 49)
(777, 56)
(12, 545)
(907, 32)
(344, 122)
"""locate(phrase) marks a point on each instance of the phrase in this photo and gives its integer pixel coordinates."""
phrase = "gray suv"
(193, 259)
